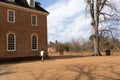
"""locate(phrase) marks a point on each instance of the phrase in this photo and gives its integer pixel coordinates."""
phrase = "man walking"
(42, 52)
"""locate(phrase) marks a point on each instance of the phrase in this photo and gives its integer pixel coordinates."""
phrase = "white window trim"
(36, 20)
(14, 42)
(37, 43)
(8, 16)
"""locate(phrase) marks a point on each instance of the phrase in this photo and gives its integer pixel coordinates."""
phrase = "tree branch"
(102, 5)
(103, 32)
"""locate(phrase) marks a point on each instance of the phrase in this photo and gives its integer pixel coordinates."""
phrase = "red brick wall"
(23, 30)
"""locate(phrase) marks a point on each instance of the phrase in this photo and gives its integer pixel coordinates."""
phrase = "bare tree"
(101, 11)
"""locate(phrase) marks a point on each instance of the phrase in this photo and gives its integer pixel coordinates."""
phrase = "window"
(34, 20)
(11, 16)
(11, 42)
(32, 3)
(11, 0)
(34, 42)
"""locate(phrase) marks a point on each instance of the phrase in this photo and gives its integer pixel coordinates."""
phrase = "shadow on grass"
(80, 70)
(19, 60)
(65, 57)
(6, 73)
(90, 72)
(83, 72)
(33, 59)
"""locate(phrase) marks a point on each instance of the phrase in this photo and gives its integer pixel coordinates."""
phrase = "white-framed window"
(11, 42)
(34, 42)
(11, 16)
(34, 20)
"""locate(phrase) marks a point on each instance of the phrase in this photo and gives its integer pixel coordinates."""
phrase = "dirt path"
(70, 68)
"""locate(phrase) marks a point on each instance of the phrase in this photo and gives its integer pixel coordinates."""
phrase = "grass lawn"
(64, 68)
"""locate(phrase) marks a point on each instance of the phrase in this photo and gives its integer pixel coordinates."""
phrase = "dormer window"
(11, 0)
(32, 3)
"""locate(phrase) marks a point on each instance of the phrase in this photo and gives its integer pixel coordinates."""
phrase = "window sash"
(34, 20)
(11, 42)
(34, 43)
(11, 16)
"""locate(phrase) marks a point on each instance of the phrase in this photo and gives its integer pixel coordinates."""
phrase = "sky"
(68, 19)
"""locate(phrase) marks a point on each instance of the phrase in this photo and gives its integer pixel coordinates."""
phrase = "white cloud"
(67, 19)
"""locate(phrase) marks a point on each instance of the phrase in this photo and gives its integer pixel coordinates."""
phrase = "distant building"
(51, 49)
(23, 28)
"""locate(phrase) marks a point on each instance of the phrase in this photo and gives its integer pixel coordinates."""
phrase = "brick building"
(23, 28)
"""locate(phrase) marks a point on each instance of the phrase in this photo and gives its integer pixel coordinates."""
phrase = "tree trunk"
(96, 33)
(96, 42)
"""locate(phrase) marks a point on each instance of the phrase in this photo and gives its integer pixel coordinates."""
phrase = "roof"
(23, 3)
